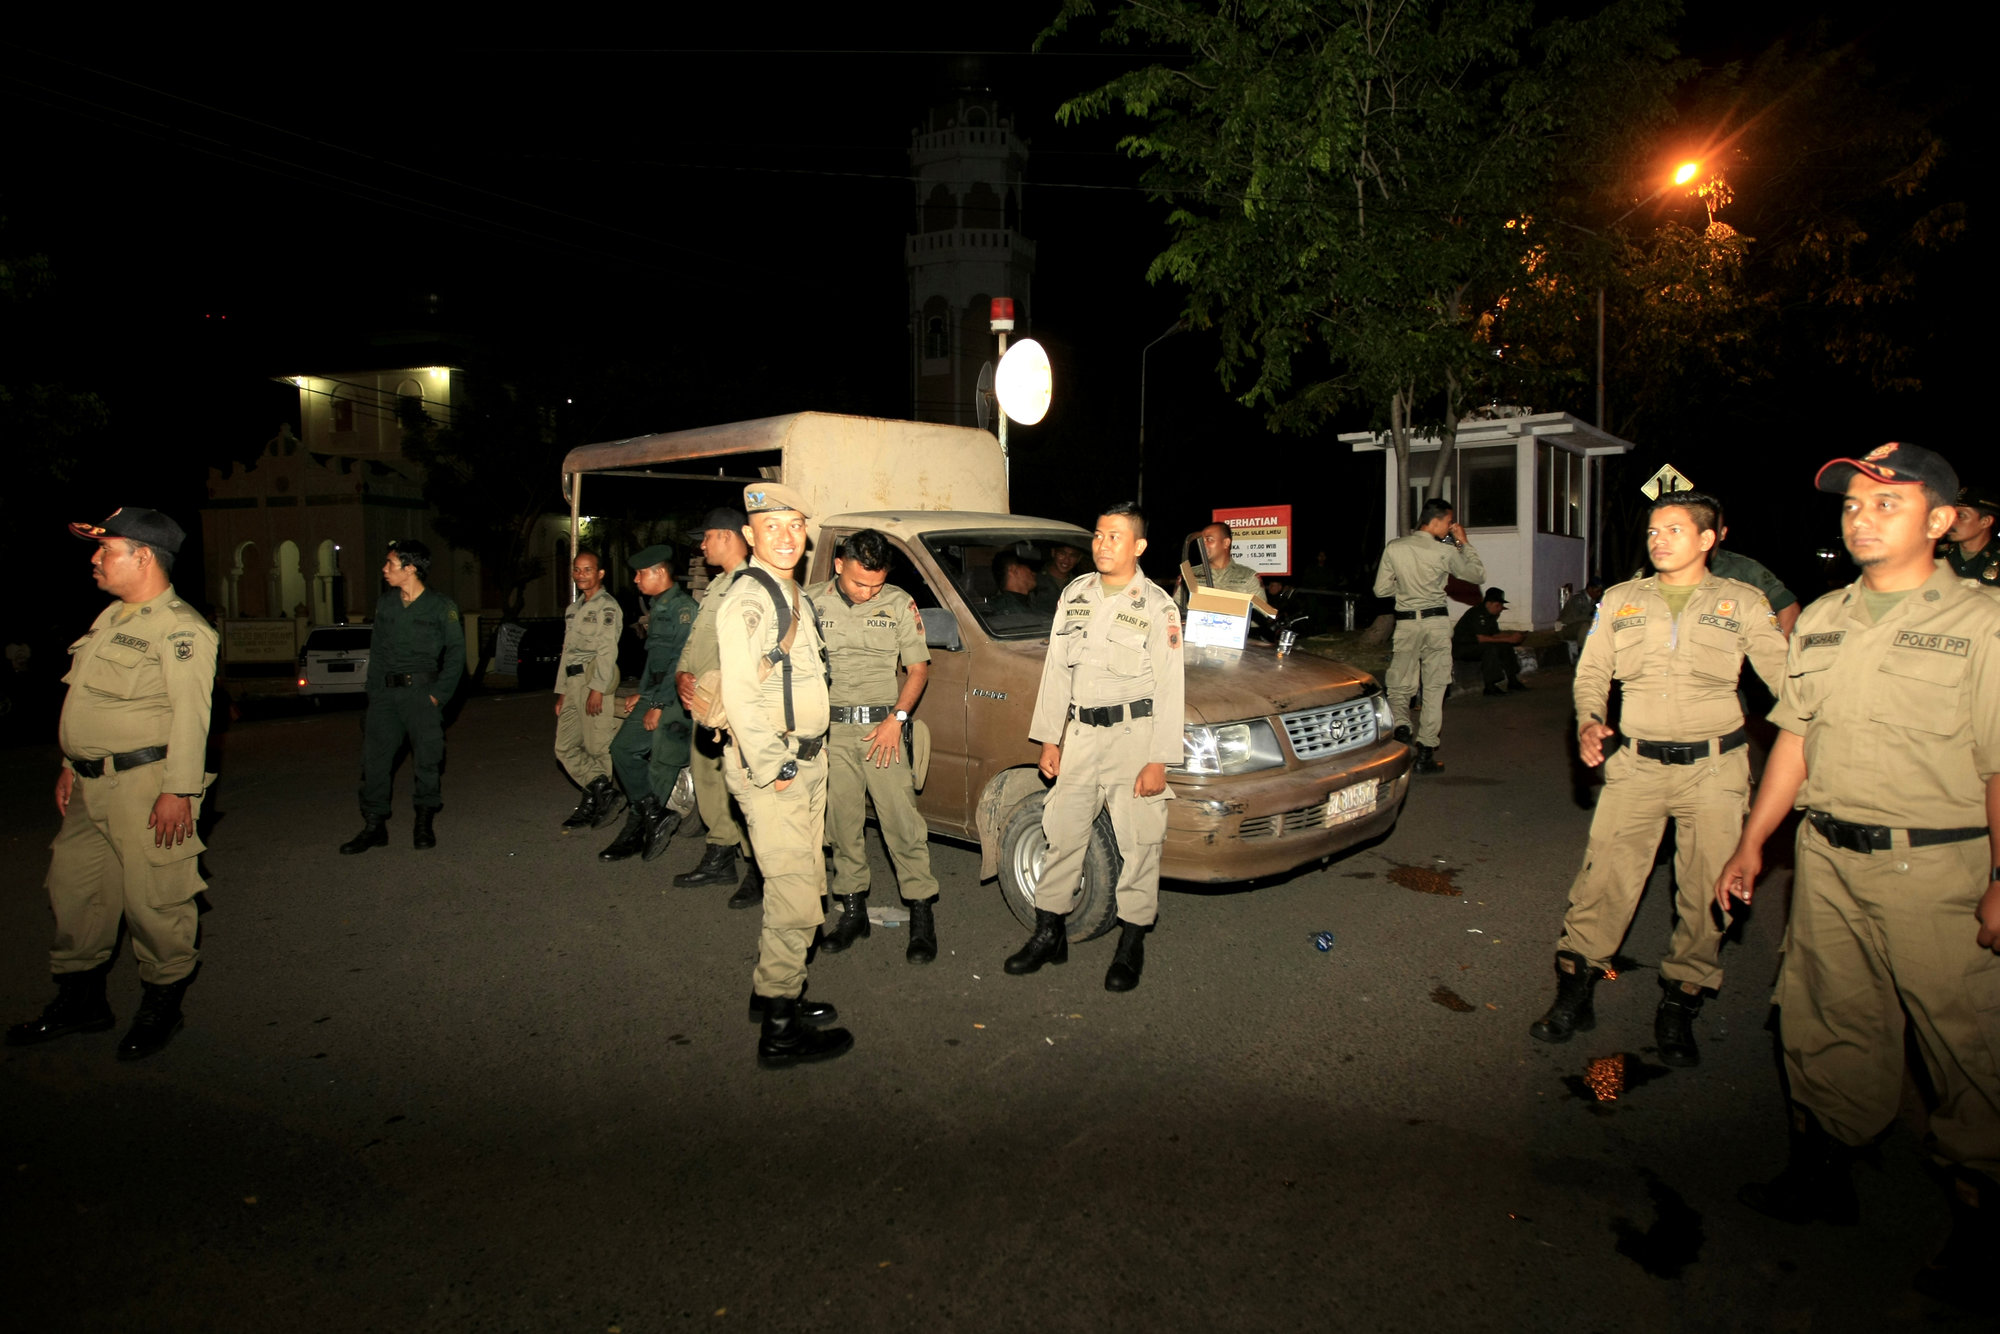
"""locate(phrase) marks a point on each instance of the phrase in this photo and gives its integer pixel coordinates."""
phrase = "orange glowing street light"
(1685, 172)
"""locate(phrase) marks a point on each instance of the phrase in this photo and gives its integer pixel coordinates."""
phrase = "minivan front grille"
(1317, 733)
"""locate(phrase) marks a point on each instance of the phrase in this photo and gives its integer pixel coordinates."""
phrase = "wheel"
(1022, 848)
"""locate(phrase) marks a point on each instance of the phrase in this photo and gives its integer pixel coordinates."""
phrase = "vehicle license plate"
(1350, 803)
(340, 666)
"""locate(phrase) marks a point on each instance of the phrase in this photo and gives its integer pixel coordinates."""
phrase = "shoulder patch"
(184, 650)
(452, 615)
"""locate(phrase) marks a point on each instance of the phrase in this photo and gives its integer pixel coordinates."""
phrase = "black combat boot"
(159, 1018)
(1963, 1271)
(79, 1007)
(1427, 760)
(923, 932)
(1574, 1011)
(788, 1040)
(750, 893)
(661, 825)
(631, 840)
(1049, 944)
(853, 923)
(817, 1013)
(585, 814)
(1816, 1184)
(421, 833)
(1402, 733)
(374, 834)
(1129, 959)
(611, 802)
(1673, 1025)
(716, 867)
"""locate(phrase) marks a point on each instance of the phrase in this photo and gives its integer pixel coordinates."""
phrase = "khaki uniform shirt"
(1414, 570)
(1901, 717)
(590, 639)
(746, 629)
(140, 677)
(699, 655)
(1680, 674)
(1113, 649)
(866, 640)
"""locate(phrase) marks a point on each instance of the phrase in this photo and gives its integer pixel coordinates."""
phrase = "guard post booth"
(1529, 490)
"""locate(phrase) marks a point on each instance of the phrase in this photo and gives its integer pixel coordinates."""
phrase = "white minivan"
(334, 660)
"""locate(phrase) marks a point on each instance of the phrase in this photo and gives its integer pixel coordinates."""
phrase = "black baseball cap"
(138, 525)
(1498, 595)
(1898, 463)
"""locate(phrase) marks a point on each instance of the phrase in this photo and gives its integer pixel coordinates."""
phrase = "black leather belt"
(1690, 752)
(862, 713)
(397, 679)
(1880, 838)
(1112, 714)
(1426, 612)
(131, 759)
(574, 669)
(809, 746)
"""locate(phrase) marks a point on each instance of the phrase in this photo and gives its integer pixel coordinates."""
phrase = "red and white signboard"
(1260, 538)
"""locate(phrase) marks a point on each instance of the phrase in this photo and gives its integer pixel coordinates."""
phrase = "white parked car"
(334, 660)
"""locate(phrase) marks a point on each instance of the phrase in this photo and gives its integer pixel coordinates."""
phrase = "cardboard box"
(1216, 618)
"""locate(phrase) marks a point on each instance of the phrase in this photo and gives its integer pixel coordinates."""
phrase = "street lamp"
(1178, 326)
(1685, 172)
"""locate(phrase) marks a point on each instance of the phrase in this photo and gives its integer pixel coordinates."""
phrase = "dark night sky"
(724, 194)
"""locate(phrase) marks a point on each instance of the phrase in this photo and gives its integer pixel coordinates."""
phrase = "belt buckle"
(1679, 752)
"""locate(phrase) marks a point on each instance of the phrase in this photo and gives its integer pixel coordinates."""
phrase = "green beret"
(657, 554)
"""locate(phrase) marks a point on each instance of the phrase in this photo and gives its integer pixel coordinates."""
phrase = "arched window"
(975, 116)
(940, 209)
(1011, 220)
(982, 206)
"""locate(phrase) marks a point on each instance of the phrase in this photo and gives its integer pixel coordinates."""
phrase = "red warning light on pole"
(1003, 314)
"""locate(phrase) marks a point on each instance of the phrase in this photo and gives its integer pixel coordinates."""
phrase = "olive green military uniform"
(416, 654)
(1009, 603)
(711, 793)
(1679, 676)
(1901, 721)
(589, 662)
(1982, 566)
(142, 678)
(786, 828)
(1727, 564)
(864, 643)
(1235, 577)
(651, 761)
(1414, 571)
(1107, 652)
(1497, 662)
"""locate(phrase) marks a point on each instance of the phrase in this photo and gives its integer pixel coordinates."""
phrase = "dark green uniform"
(1497, 662)
(1009, 603)
(418, 655)
(1982, 566)
(651, 761)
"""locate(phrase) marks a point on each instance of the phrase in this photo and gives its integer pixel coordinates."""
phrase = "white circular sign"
(1024, 382)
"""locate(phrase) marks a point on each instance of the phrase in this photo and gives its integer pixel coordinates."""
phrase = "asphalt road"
(502, 1086)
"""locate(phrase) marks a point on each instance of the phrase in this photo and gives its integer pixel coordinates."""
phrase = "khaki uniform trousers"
(1421, 654)
(105, 866)
(786, 829)
(852, 780)
(1099, 767)
(711, 794)
(1874, 935)
(583, 743)
(1706, 801)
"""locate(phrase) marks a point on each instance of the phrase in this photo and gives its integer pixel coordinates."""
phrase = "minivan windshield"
(978, 561)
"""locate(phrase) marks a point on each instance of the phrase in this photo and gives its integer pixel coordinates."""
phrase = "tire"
(1021, 850)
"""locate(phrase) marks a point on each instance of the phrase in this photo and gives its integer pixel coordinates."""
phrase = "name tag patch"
(1721, 624)
(1627, 623)
(1825, 639)
(1139, 623)
(1951, 644)
(129, 642)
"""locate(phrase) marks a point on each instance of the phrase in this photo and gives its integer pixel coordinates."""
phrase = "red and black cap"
(1897, 463)
(138, 525)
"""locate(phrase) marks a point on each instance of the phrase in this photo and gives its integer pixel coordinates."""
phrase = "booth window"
(1558, 491)
(1486, 491)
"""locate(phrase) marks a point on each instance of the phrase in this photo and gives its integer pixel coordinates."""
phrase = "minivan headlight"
(1231, 748)
(1385, 718)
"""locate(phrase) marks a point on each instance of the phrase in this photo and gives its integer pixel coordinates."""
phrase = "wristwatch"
(788, 771)
(902, 715)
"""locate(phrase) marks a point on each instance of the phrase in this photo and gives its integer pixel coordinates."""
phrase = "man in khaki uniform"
(1219, 567)
(1414, 571)
(723, 547)
(585, 680)
(869, 626)
(774, 692)
(134, 737)
(1676, 640)
(1890, 741)
(1109, 715)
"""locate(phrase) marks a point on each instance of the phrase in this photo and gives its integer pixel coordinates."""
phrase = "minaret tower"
(965, 248)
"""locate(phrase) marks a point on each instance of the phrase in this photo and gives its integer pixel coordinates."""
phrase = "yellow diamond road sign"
(1668, 478)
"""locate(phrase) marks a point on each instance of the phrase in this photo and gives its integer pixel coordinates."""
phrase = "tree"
(43, 420)
(1348, 183)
